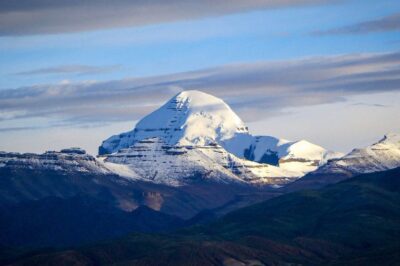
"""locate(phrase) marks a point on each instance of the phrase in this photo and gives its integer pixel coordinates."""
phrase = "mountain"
(70, 197)
(58, 222)
(380, 156)
(66, 160)
(72, 172)
(354, 222)
(179, 160)
(189, 118)
(197, 136)
(300, 156)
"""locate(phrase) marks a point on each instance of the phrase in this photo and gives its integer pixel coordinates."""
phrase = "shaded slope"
(21, 185)
(355, 221)
(59, 222)
(343, 207)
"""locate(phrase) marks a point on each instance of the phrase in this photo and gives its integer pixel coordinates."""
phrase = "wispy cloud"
(370, 104)
(26, 17)
(70, 69)
(18, 128)
(263, 88)
(388, 23)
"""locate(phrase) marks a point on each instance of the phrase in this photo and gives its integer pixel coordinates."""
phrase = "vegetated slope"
(58, 222)
(356, 221)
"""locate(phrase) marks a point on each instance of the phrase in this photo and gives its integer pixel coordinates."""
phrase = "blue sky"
(169, 42)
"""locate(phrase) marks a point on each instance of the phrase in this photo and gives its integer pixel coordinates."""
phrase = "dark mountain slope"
(356, 221)
(22, 185)
(342, 207)
(59, 222)
(315, 180)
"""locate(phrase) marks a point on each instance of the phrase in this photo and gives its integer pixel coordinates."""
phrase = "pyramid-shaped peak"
(189, 118)
(193, 116)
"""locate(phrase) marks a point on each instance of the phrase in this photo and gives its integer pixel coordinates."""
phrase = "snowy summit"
(380, 156)
(198, 135)
(190, 118)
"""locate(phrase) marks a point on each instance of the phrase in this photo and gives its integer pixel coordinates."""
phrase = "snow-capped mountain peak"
(197, 117)
(380, 156)
(189, 118)
(196, 134)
